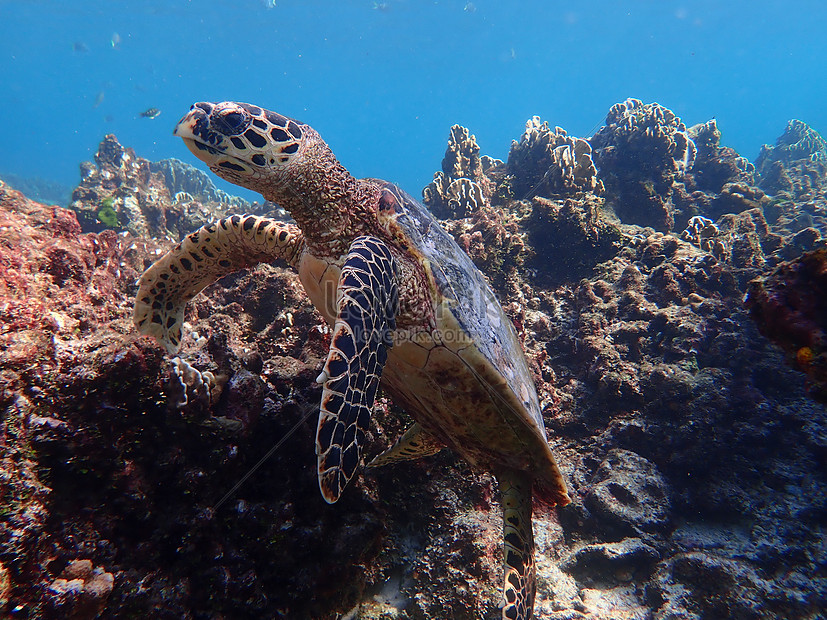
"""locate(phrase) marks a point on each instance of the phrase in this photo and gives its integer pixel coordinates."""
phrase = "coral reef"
(799, 141)
(551, 163)
(164, 200)
(693, 452)
(81, 591)
(796, 166)
(569, 237)
(180, 176)
(641, 153)
(716, 165)
(461, 187)
(99, 464)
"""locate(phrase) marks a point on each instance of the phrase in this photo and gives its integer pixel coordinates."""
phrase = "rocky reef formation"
(180, 177)
(692, 448)
(799, 141)
(796, 166)
(164, 200)
(461, 187)
(551, 163)
(37, 188)
(642, 152)
(99, 479)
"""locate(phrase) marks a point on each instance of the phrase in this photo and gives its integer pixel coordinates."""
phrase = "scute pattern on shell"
(470, 297)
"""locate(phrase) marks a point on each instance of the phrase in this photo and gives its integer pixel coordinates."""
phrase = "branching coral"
(703, 233)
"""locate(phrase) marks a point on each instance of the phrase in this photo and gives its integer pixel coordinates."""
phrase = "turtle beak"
(194, 122)
(194, 130)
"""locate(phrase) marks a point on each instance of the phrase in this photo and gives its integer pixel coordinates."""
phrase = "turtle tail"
(203, 257)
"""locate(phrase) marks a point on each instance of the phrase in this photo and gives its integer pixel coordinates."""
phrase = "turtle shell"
(474, 389)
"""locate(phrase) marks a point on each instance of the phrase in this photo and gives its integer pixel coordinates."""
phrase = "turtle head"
(246, 145)
(288, 163)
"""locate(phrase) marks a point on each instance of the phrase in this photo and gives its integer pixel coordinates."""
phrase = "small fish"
(470, 7)
(115, 41)
(381, 6)
(269, 4)
(98, 99)
(151, 113)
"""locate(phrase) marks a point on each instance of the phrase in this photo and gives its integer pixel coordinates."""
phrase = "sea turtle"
(408, 310)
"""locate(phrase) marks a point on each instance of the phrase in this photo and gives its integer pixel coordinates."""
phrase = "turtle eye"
(230, 122)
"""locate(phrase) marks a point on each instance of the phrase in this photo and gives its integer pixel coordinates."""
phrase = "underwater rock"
(65, 301)
(803, 179)
(551, 163)
(628, 495)
(114, 192)
(640, 153)
(703, 585)
(790, 308)
(554, 239)
(612, 562)
(569, 237)
(461, 187)
(735, 197)
(494, 240)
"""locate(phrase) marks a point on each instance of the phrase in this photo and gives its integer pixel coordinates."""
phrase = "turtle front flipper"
(519, 579)
(413, 444)
(367, 301)
(203, 257)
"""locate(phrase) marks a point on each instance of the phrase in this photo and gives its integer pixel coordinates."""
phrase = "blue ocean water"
(384, 81)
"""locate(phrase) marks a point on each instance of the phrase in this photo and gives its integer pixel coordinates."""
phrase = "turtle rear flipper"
(520, 578)
(413, 444)
(367, 301)
(211, 252)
